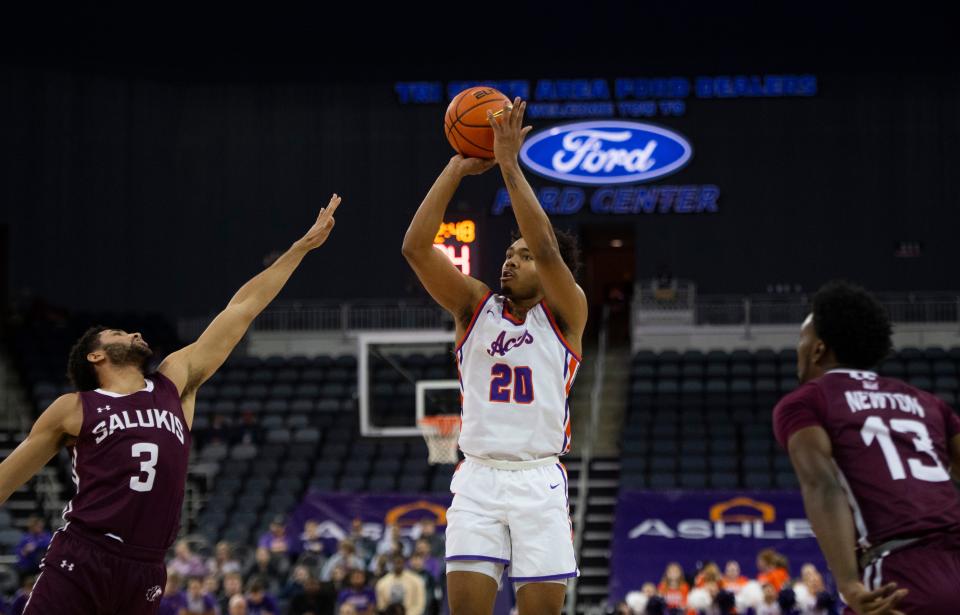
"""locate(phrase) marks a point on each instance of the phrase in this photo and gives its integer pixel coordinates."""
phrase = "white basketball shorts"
(518, 519)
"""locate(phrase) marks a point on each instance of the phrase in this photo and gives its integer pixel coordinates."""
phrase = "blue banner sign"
(654, 528)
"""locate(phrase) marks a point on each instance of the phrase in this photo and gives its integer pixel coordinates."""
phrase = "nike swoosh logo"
(554, 486)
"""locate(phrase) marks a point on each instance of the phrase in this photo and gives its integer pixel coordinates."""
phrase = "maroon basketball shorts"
(83, 574)
(931, 573)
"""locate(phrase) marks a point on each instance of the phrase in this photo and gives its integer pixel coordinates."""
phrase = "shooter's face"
(518, 277)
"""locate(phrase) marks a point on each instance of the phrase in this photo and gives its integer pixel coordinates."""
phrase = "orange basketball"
(466, 124)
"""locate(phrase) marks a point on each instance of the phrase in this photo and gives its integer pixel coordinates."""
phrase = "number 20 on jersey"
(511, 384)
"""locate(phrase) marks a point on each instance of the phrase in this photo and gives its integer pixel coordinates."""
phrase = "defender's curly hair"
(853, 324)
(80, 371)
(569, 248)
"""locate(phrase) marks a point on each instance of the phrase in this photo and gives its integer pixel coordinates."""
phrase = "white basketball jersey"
(515, 380)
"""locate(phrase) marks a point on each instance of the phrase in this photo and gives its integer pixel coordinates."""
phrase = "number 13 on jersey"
(507, 382)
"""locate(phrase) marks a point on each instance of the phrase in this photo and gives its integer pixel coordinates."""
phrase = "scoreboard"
(456, 239)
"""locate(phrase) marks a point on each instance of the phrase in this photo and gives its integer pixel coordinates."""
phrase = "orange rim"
(444, 424)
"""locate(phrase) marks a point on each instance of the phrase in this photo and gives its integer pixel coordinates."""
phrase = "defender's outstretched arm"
(192, 365)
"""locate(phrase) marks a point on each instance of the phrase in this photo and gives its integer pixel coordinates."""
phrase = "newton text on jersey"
(864, 400)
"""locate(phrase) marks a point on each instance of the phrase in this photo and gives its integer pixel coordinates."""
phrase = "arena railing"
(914, 307)
(337, 316)
(648, 300)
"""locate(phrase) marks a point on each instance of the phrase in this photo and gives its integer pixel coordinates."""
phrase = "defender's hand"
(509, 132)
(881, 601)
(320, 230)
(469, 166)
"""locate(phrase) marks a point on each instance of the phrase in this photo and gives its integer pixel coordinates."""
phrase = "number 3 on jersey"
(148, 467)
(504, 380)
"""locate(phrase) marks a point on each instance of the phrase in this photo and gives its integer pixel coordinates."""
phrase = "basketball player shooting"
(873, 456)
(518, 352)
(129, 436)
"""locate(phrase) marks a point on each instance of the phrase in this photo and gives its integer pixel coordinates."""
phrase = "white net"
(441, 433)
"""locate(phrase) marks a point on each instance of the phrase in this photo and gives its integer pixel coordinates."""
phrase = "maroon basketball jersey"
(891, 448)
(130, 464)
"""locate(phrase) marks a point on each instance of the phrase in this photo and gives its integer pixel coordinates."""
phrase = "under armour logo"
(153, 593)
(99, 410)
(67, 565)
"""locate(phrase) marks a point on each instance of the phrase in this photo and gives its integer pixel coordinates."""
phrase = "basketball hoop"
(441, 431)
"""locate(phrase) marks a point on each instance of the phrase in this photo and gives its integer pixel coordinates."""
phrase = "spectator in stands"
(392, 543)
(347, 609)
(338, 578)
(364, 545)
(275, 539)
(357, 593)
(195, 601)
(246, 431)
(401, 586)
(173, 599)
(702, 599)
(431, 595)
(185, 563)
(232, 587)
(673, 587)
(379, 566)
(315, 599)
(310, 541)
(32, 546)
(223, 560)
(811, 578)
(431, 564)
(811, 592)
(19, 600)
(296, 582)
(237, 605)
(710, 573)
(770, 605)
(259, 602)
(732, 580)
(270, 569)
(345, 556)
(217, 434)
(211, 585)
(773, 568)
(426, 529)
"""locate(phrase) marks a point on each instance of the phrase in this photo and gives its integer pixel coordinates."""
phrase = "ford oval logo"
(605, 152)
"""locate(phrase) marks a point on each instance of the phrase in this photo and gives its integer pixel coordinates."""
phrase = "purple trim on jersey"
(566, 441)
(566, 489)
(477, 558)
(473, 320)
(556, 330)
(551, 577)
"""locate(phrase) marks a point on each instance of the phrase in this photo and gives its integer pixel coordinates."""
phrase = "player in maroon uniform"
(129, 436)
(873, 457)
